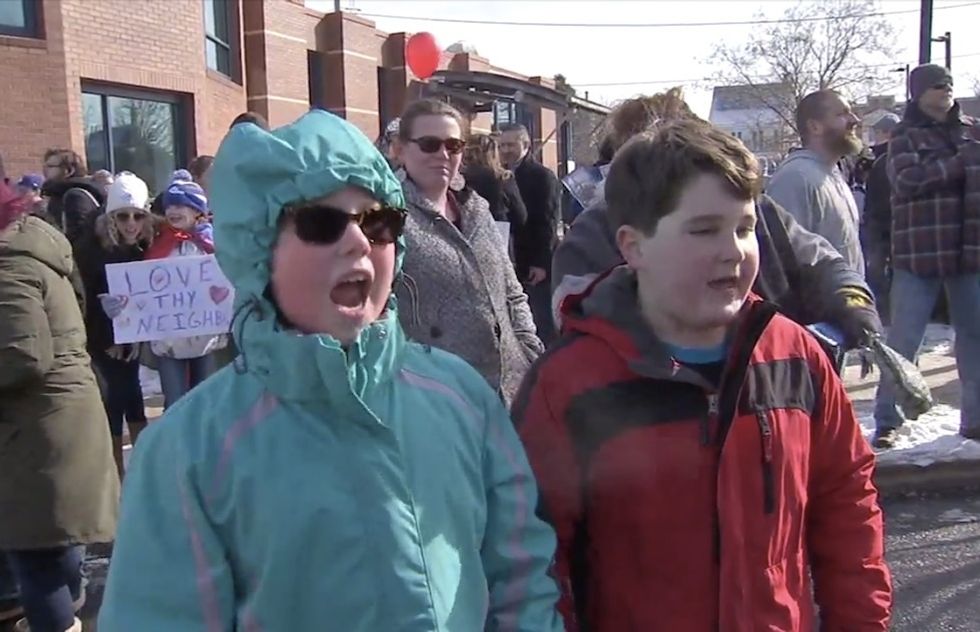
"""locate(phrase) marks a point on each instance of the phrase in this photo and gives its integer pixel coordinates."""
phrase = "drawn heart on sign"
(124, 321)
(218, 294)
(141, 305)
(113, 305)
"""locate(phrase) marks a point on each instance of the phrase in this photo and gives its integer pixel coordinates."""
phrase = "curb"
(904, 479)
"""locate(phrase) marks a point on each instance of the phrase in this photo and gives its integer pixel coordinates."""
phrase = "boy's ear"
(629, 240)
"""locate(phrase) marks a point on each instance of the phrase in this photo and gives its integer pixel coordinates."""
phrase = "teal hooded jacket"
(309, 487)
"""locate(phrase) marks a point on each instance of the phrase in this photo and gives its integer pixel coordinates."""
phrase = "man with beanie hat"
(934, 169)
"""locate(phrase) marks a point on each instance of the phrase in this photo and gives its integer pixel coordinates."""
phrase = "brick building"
(145, 85)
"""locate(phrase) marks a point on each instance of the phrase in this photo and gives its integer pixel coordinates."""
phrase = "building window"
(506, 112)
(316, 67)
(19, 17)
(219, 42)
(134, 131)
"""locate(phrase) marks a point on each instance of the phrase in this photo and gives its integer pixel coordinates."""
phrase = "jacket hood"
(57, 188)
(33, 237)
(254, 175)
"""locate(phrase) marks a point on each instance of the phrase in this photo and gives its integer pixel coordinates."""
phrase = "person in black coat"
(876, 224)
(485, 175)
(535, 245)
(74, 200)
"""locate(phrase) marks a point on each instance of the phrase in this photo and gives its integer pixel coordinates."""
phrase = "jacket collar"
(915, 117)
(609, 309)
(315, 370)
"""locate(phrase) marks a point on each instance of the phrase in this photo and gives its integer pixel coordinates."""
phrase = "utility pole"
(336, 6)
(925, 32)
(947, 39)
(905, 71)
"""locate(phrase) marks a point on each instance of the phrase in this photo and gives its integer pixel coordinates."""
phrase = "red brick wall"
(277, 43)
(34, 98)
(159, 46)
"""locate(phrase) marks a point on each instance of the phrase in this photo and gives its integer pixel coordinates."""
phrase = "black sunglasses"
(432, 144)
(942, 86)
(125, 216)
(324, 225)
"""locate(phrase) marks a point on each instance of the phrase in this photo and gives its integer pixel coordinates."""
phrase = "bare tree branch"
(781, 63)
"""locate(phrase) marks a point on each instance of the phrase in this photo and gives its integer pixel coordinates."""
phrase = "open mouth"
(724, 283)
(352, 290)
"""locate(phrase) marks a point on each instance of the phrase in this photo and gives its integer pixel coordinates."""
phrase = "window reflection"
(142, 136)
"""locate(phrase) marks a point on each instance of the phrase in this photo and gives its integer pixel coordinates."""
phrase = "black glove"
(857, 317)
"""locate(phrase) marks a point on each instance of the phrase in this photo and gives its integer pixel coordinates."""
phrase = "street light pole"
(925, 32)
(905, 69)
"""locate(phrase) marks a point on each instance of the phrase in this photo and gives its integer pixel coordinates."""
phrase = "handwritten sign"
(168, 298)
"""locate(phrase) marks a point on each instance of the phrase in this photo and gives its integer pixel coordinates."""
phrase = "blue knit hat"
(184, 193)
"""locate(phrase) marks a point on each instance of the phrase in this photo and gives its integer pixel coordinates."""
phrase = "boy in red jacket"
(696, 452)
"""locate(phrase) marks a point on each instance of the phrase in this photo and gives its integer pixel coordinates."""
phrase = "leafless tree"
(976, 86)
(842, 45)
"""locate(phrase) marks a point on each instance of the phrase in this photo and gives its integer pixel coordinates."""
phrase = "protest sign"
(168, 298)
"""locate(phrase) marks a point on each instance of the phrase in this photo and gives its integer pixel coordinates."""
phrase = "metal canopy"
(481, 89)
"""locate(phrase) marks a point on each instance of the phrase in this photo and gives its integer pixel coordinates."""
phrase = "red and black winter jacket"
(682, 508)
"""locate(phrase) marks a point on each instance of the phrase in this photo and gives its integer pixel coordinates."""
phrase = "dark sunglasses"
(126, 216)
(324, 225)
(942, 86)
(432, 144)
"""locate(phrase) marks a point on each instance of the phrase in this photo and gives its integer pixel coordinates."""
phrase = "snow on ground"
(150, 380)
(932, 438)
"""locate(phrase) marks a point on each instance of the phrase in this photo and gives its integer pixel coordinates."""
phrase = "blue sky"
(660, 56)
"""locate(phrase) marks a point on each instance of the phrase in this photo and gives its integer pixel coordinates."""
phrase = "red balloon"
(422, 54)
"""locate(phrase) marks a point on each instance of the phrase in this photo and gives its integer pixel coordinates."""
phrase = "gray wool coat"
(459, 291)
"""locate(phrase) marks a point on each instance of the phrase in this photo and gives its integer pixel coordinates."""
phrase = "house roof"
(747, 97)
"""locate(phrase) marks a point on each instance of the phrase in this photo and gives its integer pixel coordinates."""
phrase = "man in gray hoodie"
(809, 183)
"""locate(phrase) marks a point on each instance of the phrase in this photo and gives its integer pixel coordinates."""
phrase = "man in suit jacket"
(536, 242)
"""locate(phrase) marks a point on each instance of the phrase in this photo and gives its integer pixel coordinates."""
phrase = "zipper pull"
(768, 482)
(709, 416)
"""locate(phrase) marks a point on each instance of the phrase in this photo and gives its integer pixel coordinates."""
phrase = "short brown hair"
(813, 106)
(425, 107)
(250, 117)
(200, 165)
(68, 160)
(650, 172)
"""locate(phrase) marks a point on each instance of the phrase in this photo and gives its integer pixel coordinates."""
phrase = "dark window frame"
(33, 21)
(232, 46)
(316, 65)
(184, 137)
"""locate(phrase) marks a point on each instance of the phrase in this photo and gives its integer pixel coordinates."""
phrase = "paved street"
(934, 552)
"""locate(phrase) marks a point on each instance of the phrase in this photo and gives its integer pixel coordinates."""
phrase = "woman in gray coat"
(459, 290)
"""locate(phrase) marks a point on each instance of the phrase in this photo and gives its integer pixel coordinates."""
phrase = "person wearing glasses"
(74, 199)
(460, 291)
(121, 235)
(934, 169)
(339, 476)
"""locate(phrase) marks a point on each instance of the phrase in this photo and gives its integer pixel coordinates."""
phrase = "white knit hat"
(127, 191)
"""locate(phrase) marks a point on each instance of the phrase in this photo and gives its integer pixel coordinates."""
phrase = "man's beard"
(846, 144)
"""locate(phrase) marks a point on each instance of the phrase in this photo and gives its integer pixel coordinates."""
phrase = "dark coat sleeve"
(514, 203)
(878, 208)
(541, 192)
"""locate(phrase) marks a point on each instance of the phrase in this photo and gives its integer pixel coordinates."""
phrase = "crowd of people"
(473, 415)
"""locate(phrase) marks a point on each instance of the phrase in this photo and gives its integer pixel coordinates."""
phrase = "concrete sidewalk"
(948, 468)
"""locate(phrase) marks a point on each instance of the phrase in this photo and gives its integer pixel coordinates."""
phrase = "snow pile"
(150, 381)
(932, 438)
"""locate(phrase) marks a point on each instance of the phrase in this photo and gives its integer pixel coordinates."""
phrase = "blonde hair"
(108, 231)
(481, 150)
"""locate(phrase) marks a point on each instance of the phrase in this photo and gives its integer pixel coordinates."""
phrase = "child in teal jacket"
(337, 476)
